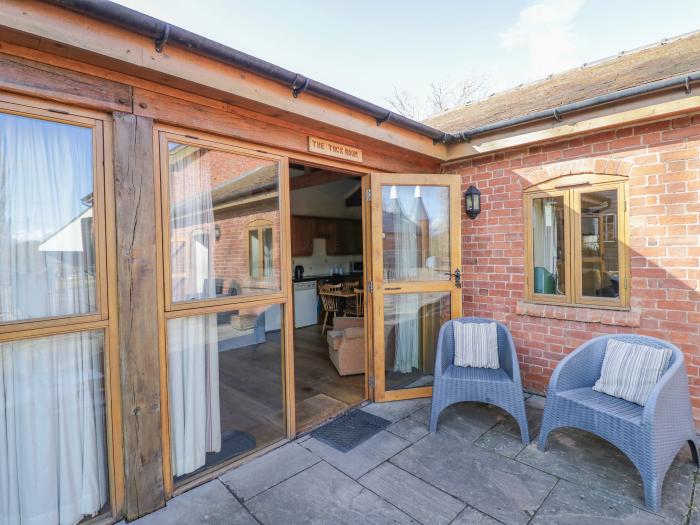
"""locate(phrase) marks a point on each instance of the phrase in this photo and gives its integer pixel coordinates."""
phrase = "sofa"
(346, 345)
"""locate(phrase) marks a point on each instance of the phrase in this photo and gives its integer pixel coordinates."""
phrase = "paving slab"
(208, 503)
(364, 457)
(466, 421)
(258, 475)
(412, 495)
(501, 443)
(508, 425)
(500, 487)
(571, 504)
(322, 495)
(590, 461)
(409, 428)
(395, 410)
(471, 516)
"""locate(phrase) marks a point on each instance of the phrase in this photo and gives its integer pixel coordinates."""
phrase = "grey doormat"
(348, 431)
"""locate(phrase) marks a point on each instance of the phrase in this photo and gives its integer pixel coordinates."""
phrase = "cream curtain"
(53, 467)
(405, 233)
(193, 362)
(544, 231)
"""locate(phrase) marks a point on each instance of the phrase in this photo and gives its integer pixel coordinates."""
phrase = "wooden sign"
(333, 149)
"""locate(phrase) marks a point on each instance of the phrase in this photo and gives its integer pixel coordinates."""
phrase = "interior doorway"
(328, 292)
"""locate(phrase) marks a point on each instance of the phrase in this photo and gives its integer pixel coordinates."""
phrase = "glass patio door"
(415, 260)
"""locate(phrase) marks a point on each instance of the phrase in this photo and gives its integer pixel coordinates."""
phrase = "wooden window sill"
(583, 314)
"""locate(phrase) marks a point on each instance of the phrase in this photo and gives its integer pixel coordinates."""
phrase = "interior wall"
(325, 200)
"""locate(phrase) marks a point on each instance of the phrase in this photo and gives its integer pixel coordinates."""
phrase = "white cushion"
(476, 345)
(630, 370)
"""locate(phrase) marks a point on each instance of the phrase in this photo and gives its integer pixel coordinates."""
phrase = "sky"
(370, 48)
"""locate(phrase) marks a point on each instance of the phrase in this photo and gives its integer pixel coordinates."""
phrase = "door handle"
(458, 277)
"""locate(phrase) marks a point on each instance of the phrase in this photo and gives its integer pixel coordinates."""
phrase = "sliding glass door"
(225, 301)
(415, 260)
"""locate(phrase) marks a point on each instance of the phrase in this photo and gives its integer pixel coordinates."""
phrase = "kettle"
(298, 272)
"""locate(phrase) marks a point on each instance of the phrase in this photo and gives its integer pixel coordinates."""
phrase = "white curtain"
(405, 232)
(53, 467)
(544, 230)
(193, 362)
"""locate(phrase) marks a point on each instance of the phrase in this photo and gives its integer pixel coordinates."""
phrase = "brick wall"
(662, 161)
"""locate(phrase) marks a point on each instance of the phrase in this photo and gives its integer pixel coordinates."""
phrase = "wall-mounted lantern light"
(472, 200)
(217, 232)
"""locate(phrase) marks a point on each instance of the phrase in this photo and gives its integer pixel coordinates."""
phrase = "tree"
(442, 96)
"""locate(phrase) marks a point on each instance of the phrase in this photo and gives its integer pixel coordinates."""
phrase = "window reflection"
(412, 322)
(416, 233)
(214, 197)
(47, 255)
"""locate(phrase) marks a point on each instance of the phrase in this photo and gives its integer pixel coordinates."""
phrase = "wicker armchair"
(650, 436)
(501, 387)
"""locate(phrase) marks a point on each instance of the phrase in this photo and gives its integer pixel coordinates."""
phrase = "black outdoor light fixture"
(472, 201)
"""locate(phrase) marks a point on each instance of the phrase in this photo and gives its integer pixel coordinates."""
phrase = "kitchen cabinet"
(302, 236)
(343, 236)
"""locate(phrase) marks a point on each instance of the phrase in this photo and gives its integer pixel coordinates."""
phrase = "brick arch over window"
(575, 167)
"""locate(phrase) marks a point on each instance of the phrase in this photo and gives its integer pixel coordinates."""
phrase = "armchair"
(650, 436)
(501, 387)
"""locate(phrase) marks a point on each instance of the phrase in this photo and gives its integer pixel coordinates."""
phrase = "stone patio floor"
(474, 470)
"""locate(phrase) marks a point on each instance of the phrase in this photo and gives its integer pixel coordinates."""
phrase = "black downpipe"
(163, 33)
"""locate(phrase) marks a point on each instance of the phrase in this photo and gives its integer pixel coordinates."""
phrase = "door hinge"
(625, 205)
(371, 382)
(368, 195)
(627, 283)
(370, 286)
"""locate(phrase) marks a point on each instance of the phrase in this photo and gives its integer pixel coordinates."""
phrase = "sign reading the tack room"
(333, 149)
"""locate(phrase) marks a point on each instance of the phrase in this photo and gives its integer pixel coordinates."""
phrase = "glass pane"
(416, 233)
(548, 250)
(600, 265)
(411, 325)
(225, 381)
(53, 459)
(47, 252)
(214, 196)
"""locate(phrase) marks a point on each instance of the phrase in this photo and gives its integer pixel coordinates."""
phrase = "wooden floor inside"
(251, 393)
(321, 392)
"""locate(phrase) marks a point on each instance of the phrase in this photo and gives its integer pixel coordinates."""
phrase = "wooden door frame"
(364, 175)
(377, 180)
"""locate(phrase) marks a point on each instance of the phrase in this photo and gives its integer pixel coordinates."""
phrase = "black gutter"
(684, 81)
(163, 34)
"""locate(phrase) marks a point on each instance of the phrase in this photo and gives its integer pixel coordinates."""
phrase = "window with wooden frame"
(576, 241)
(221, 217)
(223, 243)
(260, 249)
(56, 341)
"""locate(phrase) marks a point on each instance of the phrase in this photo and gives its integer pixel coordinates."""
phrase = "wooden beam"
(42, 80)
(138, 306)
(624, 113)
(127, 51)
(241, 125)
(315, 177)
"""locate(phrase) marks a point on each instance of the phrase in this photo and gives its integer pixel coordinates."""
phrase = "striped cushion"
(476, 345)
(630, 371)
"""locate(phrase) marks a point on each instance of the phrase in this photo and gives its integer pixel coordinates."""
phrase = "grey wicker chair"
(650, 436)
(501, 387)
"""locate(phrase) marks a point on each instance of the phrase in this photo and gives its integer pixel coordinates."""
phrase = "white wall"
(326, 200)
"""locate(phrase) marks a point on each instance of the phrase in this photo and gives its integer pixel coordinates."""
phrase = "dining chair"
(331, 303)
(356, 305)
